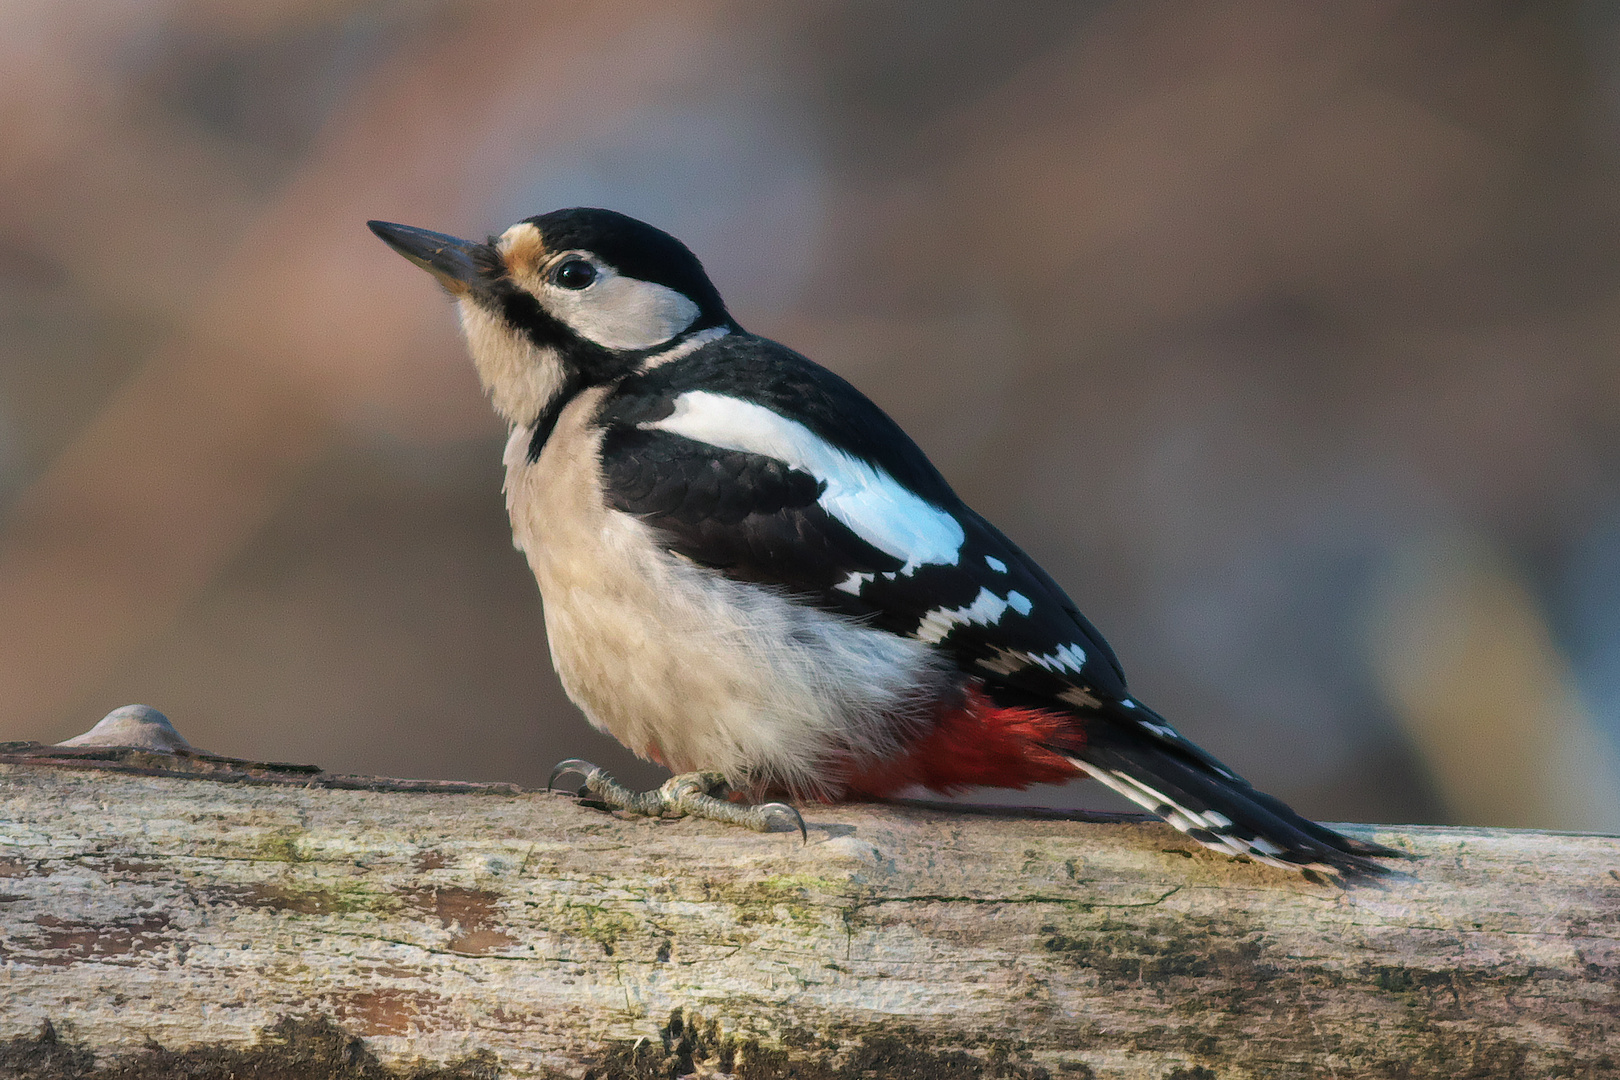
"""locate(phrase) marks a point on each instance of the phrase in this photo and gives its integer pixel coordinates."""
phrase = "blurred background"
(1285, 335)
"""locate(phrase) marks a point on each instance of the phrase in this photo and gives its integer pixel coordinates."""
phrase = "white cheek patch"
(618, 312)
(866, 500)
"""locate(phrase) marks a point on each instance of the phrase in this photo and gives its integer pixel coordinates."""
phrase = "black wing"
(756, 519)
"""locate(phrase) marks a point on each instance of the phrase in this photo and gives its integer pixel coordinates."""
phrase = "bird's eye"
(574, 274)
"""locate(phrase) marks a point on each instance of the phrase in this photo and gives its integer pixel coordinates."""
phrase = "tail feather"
(1215, 806)
(1344, 843)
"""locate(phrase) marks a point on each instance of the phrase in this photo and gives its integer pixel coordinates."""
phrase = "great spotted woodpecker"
(752, 575)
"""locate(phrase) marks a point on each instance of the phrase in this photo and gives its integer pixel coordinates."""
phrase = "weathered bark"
(483, 924)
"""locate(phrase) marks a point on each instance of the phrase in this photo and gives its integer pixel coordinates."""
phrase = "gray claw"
(572, 765)
(766, 810)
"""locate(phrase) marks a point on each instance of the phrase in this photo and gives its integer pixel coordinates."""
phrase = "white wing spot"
(1004, 661)
(1066, 658)
(1020, 603)
(987, 608)
(868, 501)
(995, 564)
(854, 583)
(1077, 696)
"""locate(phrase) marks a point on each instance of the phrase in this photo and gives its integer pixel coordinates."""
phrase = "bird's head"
(565, 300)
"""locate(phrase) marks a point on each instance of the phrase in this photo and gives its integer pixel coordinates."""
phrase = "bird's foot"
(683, 795)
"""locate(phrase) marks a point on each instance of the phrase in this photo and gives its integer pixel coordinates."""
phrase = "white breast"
(687, 667)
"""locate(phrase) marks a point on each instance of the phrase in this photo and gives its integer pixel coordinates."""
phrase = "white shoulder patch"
(868, 501)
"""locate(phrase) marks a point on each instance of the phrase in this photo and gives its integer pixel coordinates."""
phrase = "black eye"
(574, 274)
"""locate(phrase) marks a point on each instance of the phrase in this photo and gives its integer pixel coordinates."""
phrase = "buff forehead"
(522, 248)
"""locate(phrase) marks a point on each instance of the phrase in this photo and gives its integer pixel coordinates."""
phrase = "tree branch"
(143, 901)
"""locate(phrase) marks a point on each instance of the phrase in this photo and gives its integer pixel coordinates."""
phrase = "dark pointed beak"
(447, 258)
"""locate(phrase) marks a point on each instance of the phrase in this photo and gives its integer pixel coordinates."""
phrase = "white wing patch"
(995, 564)
(868, 501)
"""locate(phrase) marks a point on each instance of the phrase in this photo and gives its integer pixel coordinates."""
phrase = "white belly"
(689, 668)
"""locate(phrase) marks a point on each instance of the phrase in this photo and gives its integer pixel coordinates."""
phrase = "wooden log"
(162, 910)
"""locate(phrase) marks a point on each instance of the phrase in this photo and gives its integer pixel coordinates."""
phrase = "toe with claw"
(683, 795)
(578, 766)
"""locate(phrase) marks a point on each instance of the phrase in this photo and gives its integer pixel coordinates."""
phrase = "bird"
(752, 576)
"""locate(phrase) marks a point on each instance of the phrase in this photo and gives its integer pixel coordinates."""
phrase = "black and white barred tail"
(1181, 783)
